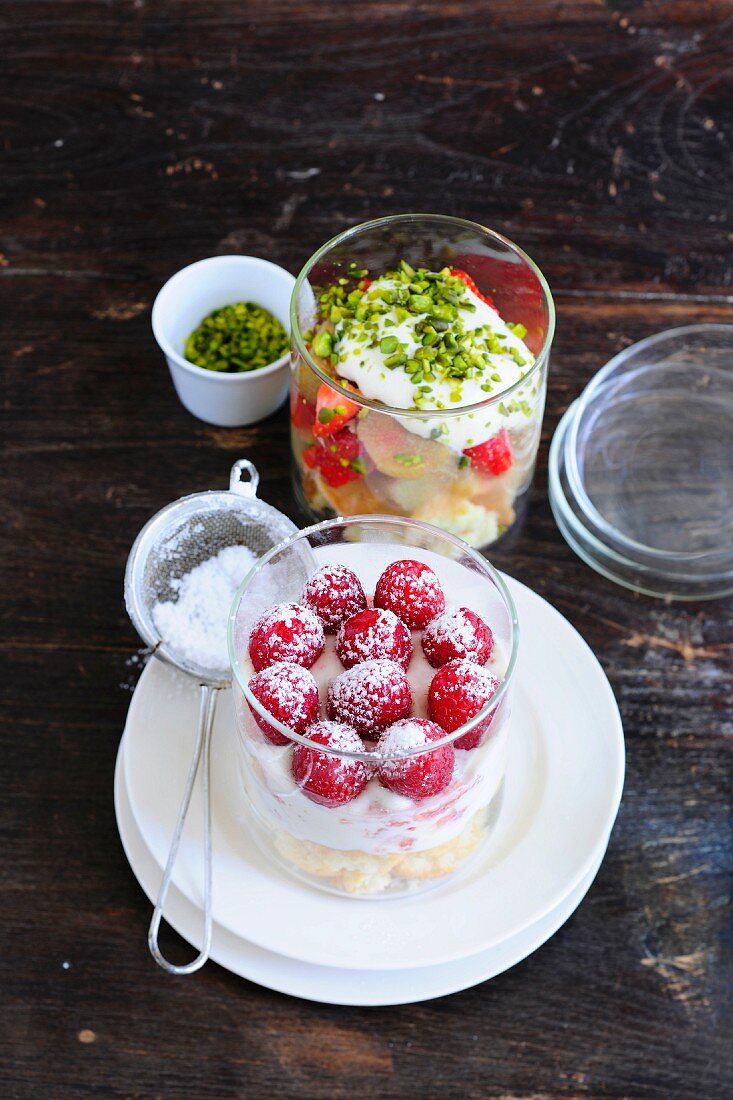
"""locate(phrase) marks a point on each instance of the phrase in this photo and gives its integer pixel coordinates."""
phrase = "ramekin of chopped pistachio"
(236, 338)
(420, 354)
(223, 326)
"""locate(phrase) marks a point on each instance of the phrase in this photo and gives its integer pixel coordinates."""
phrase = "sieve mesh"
(187, 533)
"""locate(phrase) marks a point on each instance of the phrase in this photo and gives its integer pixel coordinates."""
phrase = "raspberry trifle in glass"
(419, 366)
(373, 663)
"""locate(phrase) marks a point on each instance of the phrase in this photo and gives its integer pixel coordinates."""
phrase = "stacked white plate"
(559, 802)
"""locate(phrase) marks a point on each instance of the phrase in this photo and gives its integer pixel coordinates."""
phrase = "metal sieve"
(172, 543)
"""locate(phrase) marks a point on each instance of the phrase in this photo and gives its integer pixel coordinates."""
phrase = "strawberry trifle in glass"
(372, 661)
(419, 366)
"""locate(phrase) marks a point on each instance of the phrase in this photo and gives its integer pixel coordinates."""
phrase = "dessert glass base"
(393, 875)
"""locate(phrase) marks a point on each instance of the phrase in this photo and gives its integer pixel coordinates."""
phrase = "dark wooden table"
(140, 136)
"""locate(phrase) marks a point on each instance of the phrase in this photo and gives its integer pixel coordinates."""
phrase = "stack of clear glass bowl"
(641, 466)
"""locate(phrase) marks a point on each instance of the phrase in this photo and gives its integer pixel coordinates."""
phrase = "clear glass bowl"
(410, 463)
(641, 466)
(380, 844)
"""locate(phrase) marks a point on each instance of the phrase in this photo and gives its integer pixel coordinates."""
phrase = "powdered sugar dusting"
(334, 593)
(286, 632)
(476, 684)
(403, 736)
(323, 777)
(372, 634)
(419, 775)
(370, 695)
(457, 634)
(288, 692)
(337, 735)
(194, 626)
(411, 590)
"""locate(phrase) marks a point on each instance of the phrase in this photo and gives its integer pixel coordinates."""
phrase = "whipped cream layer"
(364, 365)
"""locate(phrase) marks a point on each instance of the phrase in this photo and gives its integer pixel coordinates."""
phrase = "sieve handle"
(244, 488)
(202, 748)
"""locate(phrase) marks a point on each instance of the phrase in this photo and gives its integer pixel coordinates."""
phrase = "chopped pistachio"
(323, 344)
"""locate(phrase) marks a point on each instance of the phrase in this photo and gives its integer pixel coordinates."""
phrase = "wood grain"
(138, 137)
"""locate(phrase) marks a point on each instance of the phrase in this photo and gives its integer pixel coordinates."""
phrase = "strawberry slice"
(333, 410)
(302, 412)
(457, 273)
(492, 457)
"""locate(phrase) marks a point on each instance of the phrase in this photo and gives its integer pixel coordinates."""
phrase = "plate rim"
(180, 914)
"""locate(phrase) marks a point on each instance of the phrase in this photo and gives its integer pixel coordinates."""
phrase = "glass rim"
(424, 414)
(370, 756)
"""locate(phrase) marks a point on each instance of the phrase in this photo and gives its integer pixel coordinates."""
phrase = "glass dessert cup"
(413, 462)
(380, 844)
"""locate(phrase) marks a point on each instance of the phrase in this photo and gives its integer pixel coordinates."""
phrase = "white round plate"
(328, 984)
(561, 795)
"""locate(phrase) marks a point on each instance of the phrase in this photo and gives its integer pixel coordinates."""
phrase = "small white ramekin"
(227, 400)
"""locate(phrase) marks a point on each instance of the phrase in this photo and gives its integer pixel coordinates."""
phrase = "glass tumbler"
(380, 844)
(410, 462)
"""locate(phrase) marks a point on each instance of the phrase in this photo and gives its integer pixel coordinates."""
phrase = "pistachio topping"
(425, 340)
(237, 338)
(418, 319)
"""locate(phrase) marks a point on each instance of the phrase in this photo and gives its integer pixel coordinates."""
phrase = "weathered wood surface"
(138, 137)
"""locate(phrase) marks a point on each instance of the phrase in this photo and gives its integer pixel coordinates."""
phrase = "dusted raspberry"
(370, 696)
(458, 691)
(324, 778)
(492, 457)
(455, 634)
(287, 632)
(374, 633)
(422, 775)
(412, 591)
(334, 593)
(290, 694)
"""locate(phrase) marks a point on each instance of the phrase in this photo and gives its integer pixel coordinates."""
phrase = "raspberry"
(454, 634)
(340, 458)
(370, 696)
(492, 457)
(422, 775)
(290, 694)
(458, 691)
(324, 778)
(374, 633)
(334, 593)
(412, 591)
(287, 632)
